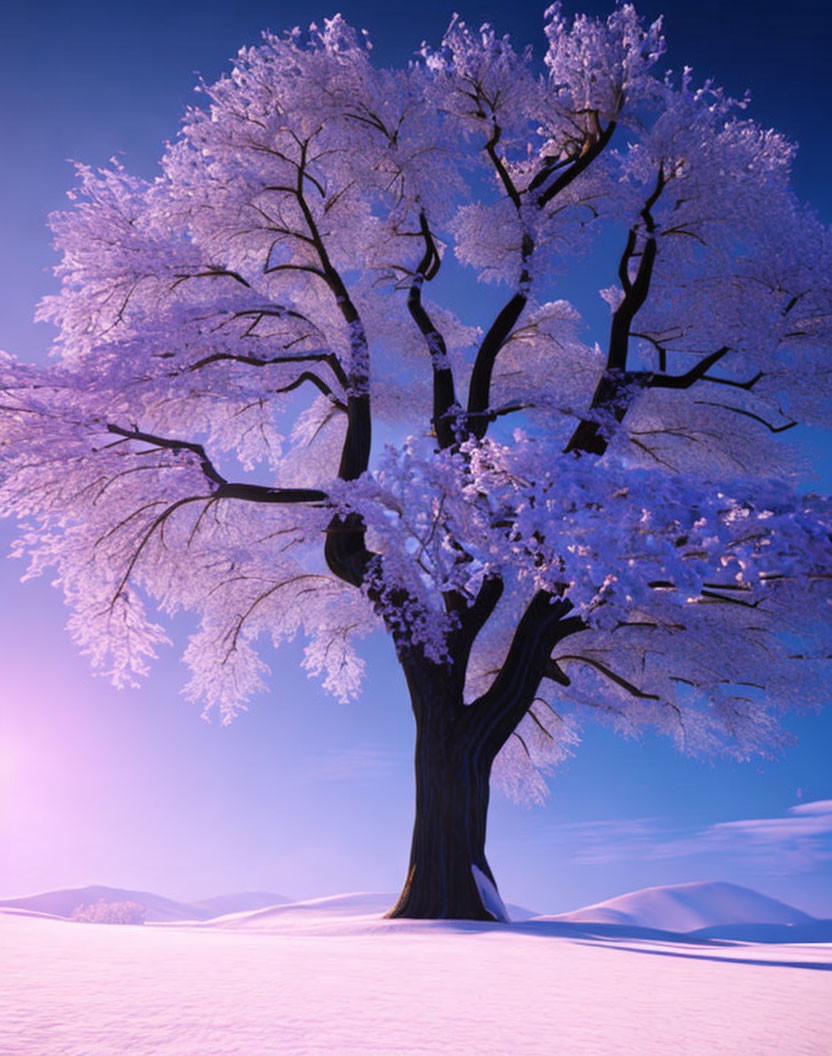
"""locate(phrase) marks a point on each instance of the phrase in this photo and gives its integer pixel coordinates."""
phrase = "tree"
(553, 529)
(104, 912)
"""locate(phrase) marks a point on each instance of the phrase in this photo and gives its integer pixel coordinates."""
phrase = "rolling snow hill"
(811, 931)
(338, 908)
(243, 902)
(63, 902)
(716, 910)
(689, 907)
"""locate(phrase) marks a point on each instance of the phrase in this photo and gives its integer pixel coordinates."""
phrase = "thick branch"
(544, 623)
(444, 395)
(610, 393)
(579, 165)
(626, 257)
(260, 493)
(485, 602)
(213, 273)
(319, 384)
(222, 488)
(329, 358)
(345, 551)
(479, 391)
(554, 674)
(170, 444)
(470, 618)
(502, 171)
(607, 672)
(684, 381)
(747, 385)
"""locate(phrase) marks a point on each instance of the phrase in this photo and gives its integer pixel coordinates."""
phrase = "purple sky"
(302, 795)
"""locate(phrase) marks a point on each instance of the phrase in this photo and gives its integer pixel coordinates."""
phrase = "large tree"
(553, 528)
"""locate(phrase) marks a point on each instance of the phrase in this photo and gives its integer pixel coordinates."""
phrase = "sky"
(301, 795)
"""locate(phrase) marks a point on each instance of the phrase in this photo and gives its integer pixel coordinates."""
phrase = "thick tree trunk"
(449, 877)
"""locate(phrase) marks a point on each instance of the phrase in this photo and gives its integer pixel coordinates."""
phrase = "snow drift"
(689, 907)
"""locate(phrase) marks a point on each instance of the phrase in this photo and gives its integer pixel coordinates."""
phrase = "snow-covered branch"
(641, 489)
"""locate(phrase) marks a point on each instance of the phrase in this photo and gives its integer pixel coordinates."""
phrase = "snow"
(338, 911)
(811, 931)
(395, 987)
(689, 907)
(243, 909)
(218, 905)
(63, 902)
(490, 895)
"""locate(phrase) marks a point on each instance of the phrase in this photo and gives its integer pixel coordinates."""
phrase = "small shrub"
(104, 912)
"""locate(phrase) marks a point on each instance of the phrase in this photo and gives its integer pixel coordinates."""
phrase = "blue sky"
(302, 795)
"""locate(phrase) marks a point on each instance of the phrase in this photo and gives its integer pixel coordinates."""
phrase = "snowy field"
(330, 980)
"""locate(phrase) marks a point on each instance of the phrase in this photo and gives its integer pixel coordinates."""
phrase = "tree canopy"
(566, 523)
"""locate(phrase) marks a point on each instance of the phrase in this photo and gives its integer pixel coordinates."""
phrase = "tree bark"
(449, 876)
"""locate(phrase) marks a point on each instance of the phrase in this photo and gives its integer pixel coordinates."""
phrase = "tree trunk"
(449, 877)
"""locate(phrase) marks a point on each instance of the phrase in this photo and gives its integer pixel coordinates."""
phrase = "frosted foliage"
(599, 66)
(104, 912)
(569, 525)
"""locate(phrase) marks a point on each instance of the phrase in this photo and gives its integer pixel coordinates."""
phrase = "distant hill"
(243, 902)
(811, 931)
(63, 902)
(354, 904)
(358, 903)
(690, 908)
(702, 911)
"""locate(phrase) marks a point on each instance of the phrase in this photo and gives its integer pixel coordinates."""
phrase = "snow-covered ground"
(334, 978)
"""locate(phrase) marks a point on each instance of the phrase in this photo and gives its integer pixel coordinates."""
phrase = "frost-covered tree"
(104, 912)
(554, 528)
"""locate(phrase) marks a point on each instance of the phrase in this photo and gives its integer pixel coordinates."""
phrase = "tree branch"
(479, 389)
(260, 493)
(747, 385)
(579, 165)
(554, 674)
(344, 549)
(319, 384)
(544, 623)
(607, 672)
(329, 358)
(222, 488)
(158, 522)
(497, 161)
(212, 273)
(749, 414)
(610, 391)
(444, 395)
(684, 381)
(171, 444)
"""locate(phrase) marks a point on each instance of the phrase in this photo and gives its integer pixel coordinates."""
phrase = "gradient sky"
(302, 795)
